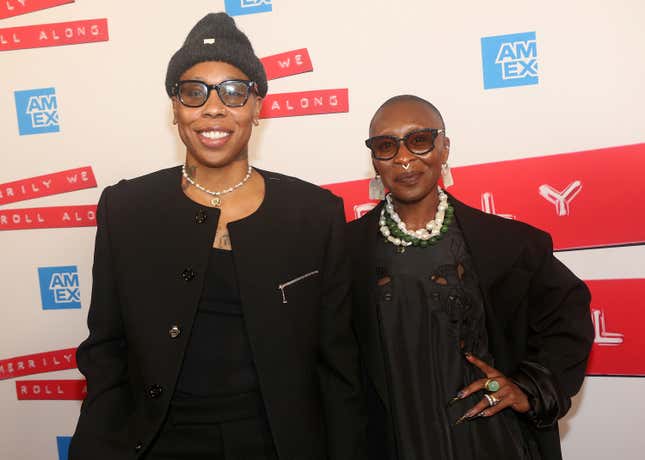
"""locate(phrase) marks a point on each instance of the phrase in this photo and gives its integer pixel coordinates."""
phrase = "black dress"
(217, 412)
(430, 312)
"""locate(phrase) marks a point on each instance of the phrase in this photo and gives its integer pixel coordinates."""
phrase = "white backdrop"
(115, 117)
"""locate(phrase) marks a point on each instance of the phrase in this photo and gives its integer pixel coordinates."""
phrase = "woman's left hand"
(507, 395)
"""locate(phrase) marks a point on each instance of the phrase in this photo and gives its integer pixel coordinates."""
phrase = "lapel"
(367, 318)
(494, 246)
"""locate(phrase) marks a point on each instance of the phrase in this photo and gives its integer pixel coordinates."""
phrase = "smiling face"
(214, 134)
(420, 178)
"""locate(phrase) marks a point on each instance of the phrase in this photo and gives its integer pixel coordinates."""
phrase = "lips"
(214, 137)
(408, 178)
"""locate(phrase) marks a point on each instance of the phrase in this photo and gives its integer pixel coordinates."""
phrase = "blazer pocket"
(283, 286)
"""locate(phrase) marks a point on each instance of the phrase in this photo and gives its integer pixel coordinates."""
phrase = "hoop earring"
(376, 188)
(446, 175)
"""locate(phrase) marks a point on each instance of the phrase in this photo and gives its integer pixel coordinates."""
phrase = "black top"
(218, 359)
(534, 309)
(431, 311)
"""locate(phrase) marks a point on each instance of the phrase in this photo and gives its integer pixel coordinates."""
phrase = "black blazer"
(537, 317)
(152, 249)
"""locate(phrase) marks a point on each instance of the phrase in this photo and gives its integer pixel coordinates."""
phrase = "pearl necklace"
(217, 201)
(395, 231)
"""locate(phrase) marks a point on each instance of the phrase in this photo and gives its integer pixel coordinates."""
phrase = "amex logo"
(240, 7)
(37, 111)
(59, 287)
(510, 60)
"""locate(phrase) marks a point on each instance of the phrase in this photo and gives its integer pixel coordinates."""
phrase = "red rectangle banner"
(48, 390)
(618, 313)
(48, 217)
(583, 199)
(48, 184)
(38, 363)
(9, 8)
(57, 34)
(289, 63)
(305, 103)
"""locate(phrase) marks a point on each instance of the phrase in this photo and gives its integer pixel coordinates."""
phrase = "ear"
(174, 110)
(446, 150)
(256, 110)
(375, 165)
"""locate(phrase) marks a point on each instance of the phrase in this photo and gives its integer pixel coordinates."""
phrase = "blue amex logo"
(240, 7)
(510, 60)
(37, 111)
(59, 287)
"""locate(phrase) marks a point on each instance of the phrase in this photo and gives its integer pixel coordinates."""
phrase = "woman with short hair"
(473, 335)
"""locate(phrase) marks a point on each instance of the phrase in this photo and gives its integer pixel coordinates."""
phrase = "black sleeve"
(559, 341)
(102, 357)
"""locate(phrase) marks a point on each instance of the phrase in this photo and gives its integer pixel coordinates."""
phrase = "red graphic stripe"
(38, 363)
(10, 8)
(48, 184)
(48, 390)
(286, 64)
(48, 217)
(305, 103)
(57, 34)
(618, 312)
(583, 199)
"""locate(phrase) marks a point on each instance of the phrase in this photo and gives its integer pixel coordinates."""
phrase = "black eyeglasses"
(195, 93)
(419, 142)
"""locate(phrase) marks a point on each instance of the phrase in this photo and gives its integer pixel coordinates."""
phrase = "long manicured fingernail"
(460, 420)
(459, 397)
(468, 354)
(463, 418)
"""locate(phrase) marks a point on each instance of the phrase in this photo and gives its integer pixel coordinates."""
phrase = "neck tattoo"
(395, 231)
(216, 201)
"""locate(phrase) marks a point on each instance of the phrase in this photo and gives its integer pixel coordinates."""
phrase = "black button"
(138, 447)
(201, 217)
(188, 274)
(154, 391)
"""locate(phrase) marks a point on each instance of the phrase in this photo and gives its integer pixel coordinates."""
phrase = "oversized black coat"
(151, 253)
(537, 318)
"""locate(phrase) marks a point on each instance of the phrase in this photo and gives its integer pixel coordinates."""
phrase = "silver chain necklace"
(216, 201)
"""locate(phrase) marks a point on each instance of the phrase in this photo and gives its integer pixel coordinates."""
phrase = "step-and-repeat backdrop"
(542, 102)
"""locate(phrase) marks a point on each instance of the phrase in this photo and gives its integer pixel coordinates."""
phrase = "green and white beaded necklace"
(394, 229)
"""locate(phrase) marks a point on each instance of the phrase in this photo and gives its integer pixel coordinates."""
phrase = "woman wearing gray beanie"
(219, 325)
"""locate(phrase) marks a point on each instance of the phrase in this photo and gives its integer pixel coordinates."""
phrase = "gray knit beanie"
(217, 38)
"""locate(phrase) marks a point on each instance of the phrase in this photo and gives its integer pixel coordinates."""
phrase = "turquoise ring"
(492, 385)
